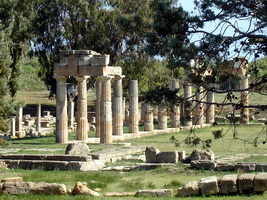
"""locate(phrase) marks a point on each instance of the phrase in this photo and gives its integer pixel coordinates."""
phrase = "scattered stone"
(245, 167)
(3, 165)
(17, 187)
(151, 154)
(49, 188)
(202, 154)
(209, 186)
(156, 193)
(167, 157)
(190, 189)
(80, 148)
(260, 182)
(12, 179)
(245, 183)
(203, 164)
(80, 188)
(117, 194)
(228, 184)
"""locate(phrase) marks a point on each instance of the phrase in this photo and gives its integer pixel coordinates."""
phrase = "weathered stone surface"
(245, 183)
(260, 182)
(209, 186)
(190, 189)
(156, 193)
(151, 154)
(12, 179)
(245, 167)
(49, 188)
(203, 164)
(81, 188)
(225, 167)
(202, 154)
(17, 187)
(117, 194)
(167, 157)
(261, 167)
(181, 155)
(228, 184)
(80, 148)
(85, 166)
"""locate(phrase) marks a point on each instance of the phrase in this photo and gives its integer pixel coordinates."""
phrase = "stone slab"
(156, 193)
(245, 183)
(228, 184)
(209, 186)
(260, 182)
(190, 189)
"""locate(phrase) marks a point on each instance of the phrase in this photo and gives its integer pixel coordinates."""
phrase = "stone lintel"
(112, 71)
(93, 71)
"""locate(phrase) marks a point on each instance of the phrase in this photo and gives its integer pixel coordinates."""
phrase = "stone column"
(97, 106)
(38, 119)
(133, 107)
(188, 103)
(244, 112)
(199, 111)
(117, 107)
(71, 115)
(19, 114)
(162, 118)
(82, 122)
(123, 108)
(175, 116)
(106, 110)
(148, 118)
(13, 127)
(61, 111)
(210, 107)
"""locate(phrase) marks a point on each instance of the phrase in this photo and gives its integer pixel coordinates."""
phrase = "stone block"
(100, 60)
(113, 71)
(20, 134)
(209, 186)
(190, 189)
(55, 165)
(49, 188)
(260, 182)
(85, 60)
(262, 167)
(17, 187)
(181, 155)
(45, 124)
(228, 167)
(228, 184)
(119, 194)
(85, 166)
(81, 188)
(151, 154)
(167, 157)
(245, 167)
(80, 148)
(12, 179)
(245, 183)
(202, 154)
(203, 164)
(156, 193)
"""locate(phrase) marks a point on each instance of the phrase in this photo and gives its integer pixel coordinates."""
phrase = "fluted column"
(71, 115)
(117, 106)
(106, 110)
(82, 122)
(98, 105)
(38, 119)
(61, 110)
(175, 115)
(188, 104)
(244, 112)
(148, 118)
(209, 106)
(133, 107)
(199, 111)
(162, 117)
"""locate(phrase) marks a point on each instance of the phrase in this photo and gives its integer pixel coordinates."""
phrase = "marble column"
(82, 122)
(199, 111)
(106, 110)
(38, 119)
(13, 127)
(133, 107)
(97, 106)
(244, 100)
(162, 117)
(188, 103)
(61, 110)
(210, 112)
(71, 115)
(148, 118)
(117, 106)
(19, 114)
(175, 115)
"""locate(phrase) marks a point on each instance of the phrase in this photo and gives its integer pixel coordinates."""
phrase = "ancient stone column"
(38, 119)
(244, 112)
(13, 127)
(19, 114)
(106, 110)
(71, 115)
(188, 103)
(148, 118)
(61, 110)
(162, 117)
(210, 113)
(123, 108)
(97, 106)
(199, 110)
(175, 115)
(133, 107)
(82, 122)
(117, 107)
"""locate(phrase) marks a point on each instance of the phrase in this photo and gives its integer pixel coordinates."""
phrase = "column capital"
(60, 78)
(81, 78)
(119, 77)
(104, 78)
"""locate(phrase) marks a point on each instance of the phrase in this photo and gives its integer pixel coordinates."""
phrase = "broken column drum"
(148, 117)
(162, 117)
(133, 107)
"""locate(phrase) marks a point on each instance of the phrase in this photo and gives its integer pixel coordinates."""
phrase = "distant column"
(82, 122)
(188, 104)
(148, 118)
(98, 106)
(19, 114)
(209, 106)
(71, 115)
(133, 107)
(117, 107)
(106, 110)
(175, 115)
(162, 117)
(38, 119)
(199, 111)
(13, 127)
(244, 112)
(61, 110)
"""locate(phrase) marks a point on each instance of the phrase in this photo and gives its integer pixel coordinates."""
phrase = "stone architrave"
(82, 121)
(71, 115)
(19, 114)
(106, 110)
(13, 127)
(162, 117)
(148, 118)
(117, 106)
(187, 118)
(38, 119)
(244, 112)
(98, 105)
(176, 109)
(199, 111)
(61, 111)
(210, 113)
(133, 107)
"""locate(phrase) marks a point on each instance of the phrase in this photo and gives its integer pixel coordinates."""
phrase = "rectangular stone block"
(245, 167)
(228, 184)
(167, 157)
(93, 70)
(260, 182)
(245, 183)
(209, 186)
(181, 155)
(112, 71)
(155, 193)
(228, 167)
(203, 164)
(190, 189)
(100, 60)
(261, 167)
(17, 187)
